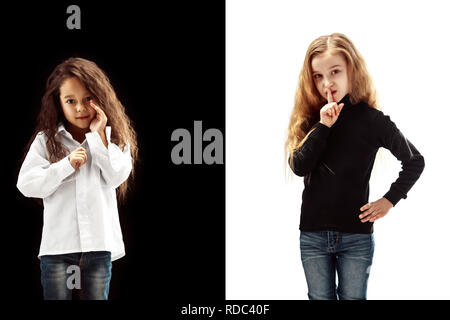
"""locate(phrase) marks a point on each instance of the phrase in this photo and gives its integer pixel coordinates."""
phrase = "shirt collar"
(347, 103)
(345, 100)
(61, 127)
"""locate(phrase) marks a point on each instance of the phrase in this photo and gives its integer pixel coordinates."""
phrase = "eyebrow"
(73, 96)
(336, 65)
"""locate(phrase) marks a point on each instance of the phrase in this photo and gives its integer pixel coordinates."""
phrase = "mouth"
(82, 118)
(333, 92)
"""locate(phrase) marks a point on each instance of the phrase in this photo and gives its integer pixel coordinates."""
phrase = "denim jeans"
(326, 253)
(59, 275)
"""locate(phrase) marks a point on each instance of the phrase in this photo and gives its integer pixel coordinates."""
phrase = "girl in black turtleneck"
(334, 134)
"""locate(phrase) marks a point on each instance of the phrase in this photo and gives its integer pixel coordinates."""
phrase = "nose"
(80, 107)
(327, 83)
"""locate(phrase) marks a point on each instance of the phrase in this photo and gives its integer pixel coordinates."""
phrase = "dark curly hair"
(98, 84)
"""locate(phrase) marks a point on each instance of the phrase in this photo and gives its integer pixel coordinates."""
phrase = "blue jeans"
(326, 253)
(88, 271)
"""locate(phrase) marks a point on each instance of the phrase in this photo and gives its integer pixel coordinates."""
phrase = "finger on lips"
(332, 111)
(329, 96)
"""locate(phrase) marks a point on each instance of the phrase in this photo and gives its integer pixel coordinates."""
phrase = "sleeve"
(305, 158)
(389, 136)
(38, 178)
(115, 165)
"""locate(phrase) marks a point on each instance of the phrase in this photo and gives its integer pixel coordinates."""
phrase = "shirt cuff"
(394, 196)
(63, 168)
(96, 144)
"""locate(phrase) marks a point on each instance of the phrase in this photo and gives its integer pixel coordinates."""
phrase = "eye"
(70, 101)
(88, 98)
(317, 76)
(336, 71)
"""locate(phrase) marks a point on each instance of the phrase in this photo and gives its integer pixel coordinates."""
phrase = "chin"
(82, 127)
(339, 98)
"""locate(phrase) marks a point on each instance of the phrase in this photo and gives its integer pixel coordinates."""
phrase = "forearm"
(410, 173)
(306, 157)
(387, 135)
(38, 179)
(413, 164)
(103, 137)
(114, 164)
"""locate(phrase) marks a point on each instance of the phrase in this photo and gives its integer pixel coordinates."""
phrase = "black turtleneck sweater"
(336, 164)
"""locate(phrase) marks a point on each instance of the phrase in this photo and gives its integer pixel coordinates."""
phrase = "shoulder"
(41, 138)
(373, 114)
(378, 122)
(365, 107)
(381, 126)
(40, 142)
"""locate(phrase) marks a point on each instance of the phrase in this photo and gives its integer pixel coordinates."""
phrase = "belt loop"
(328, 239)
(82, 259)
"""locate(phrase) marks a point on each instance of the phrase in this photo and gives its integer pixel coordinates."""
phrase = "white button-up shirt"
(80, 206)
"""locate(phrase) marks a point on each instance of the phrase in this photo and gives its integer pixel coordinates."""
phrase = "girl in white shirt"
(78, 161)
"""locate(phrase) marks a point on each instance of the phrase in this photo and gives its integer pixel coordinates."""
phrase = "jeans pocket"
(312, 245)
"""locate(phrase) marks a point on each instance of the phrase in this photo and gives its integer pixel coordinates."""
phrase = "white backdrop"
(406, 47)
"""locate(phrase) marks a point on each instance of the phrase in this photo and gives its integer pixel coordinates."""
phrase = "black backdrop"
(166, 61)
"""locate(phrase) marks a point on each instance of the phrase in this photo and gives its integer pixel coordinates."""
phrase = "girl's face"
(329, 71)
(74, 99)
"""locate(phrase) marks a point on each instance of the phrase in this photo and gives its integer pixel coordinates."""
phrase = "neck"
(77, 133)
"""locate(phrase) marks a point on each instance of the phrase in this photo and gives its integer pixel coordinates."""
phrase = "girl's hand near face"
(98, 123)
(78, 157)
(375, 210)
(330, 112)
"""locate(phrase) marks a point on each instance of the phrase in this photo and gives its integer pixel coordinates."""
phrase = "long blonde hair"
(308, 101)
